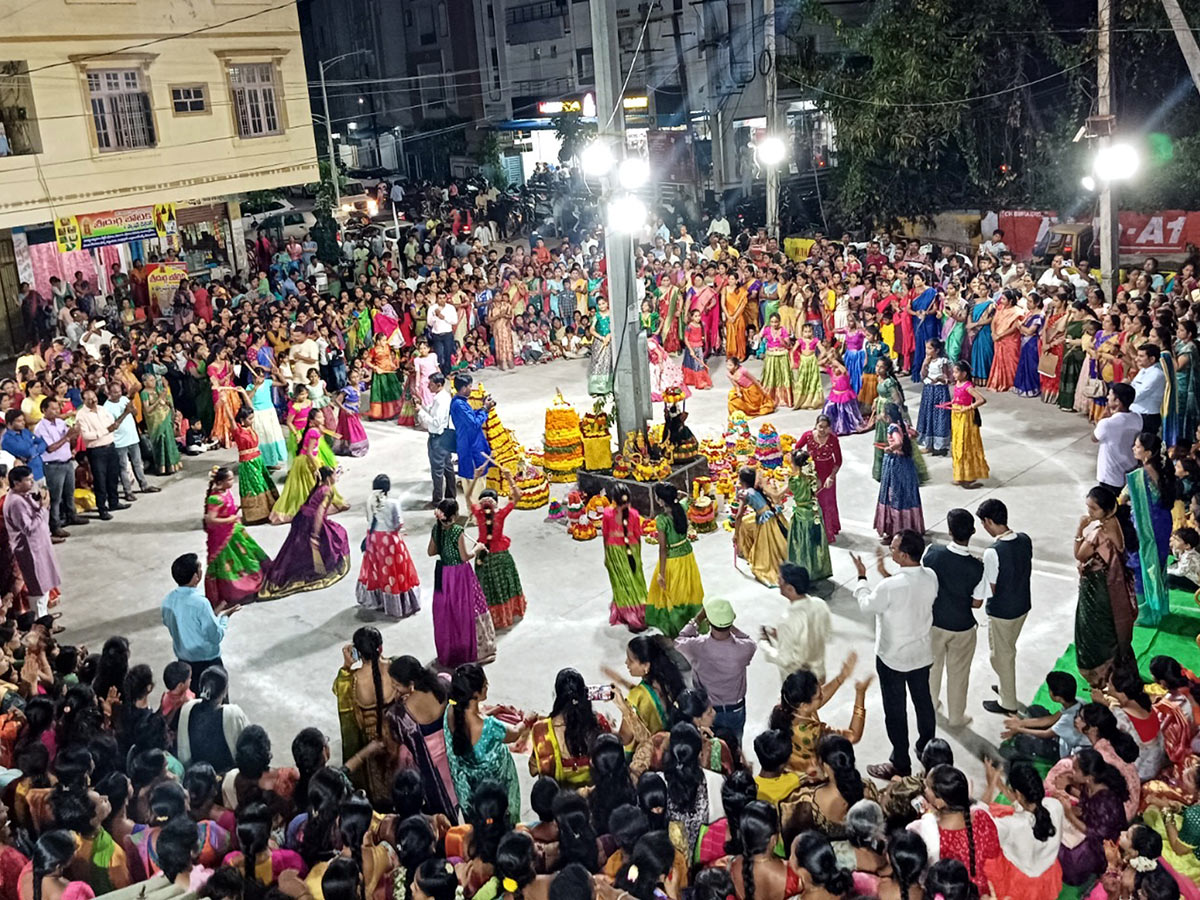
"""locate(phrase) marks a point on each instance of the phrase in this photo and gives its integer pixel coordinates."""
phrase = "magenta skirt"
(352, 437)
(457, 598)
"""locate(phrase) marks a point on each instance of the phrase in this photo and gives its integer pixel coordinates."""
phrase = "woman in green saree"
(1073, 357)
(1150, 491)
(889, 392)
(158, 414)
(1187, 396)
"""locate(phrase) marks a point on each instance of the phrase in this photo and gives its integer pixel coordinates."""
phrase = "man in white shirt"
(798, 642)
(903, 608)
(442, 318)
(1115, 434)
(125, 439)
(719, 225)
(1007, 270)
(434, 417)
(995, 246)
(1148, 385)
(304, 356)
(1054, 277)
(1082, 279)
(97, 427)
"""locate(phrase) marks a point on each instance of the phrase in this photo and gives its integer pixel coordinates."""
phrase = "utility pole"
(1110, 226)
(322, 65)
(1187, 41)
(772, 99)
(631, 372)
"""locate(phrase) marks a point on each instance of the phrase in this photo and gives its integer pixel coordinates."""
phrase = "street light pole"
(772, 103)
(1110, 227)
(322, 65)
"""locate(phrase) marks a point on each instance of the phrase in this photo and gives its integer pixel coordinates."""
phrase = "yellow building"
(110, 105)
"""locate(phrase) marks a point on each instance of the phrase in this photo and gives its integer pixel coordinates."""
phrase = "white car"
(291, 223)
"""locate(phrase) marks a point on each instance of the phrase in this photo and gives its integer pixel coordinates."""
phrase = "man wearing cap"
(719, 661)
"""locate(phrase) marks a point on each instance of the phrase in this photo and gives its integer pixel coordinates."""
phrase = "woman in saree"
(225, 399)
(702, 298)
(1053, 343)
(1107, 362)
(1162, 336)
(1150, 490)
(1106, 607)
(200, 387)
(826, 454)
(1187, 389)
(980, 330)
(1006, 336)
(734, 303)
(316, 552)
(364, 695)
(237, 565)
(889, 391)
(158, 416)
(500, 319)
(562, 741)
(798, 713)
(807, 544)
(954, 322)
(415, 722)
(386, 389)
(747, 394)
(925, 309)
(1027, 382)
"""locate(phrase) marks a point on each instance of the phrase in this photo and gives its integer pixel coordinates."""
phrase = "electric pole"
(631, 371)
(772, 102)
(1187, 40)
(1110, 226)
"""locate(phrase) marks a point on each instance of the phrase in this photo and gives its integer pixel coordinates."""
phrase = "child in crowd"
(1184, 571)
(775, 781)
(1042, 734)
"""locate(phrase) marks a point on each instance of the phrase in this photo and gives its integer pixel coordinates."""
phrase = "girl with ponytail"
(648, 867)
(436, 880)
(494, 565)
(760, 529)
(364, 691)
(621, 528)
(463, 631)
(827, 802)
(949, 879)
(815, 866)
(660, 683)
(953, 830)
(51, 853)
(486, 759)
(236, 563)
(907, 856)
(258, 863)
(1030, 838)
(415, 843)
(387, 580)
(514, 868)
(758, 874)
(676, 592)
(562, 740)
(1136, 717)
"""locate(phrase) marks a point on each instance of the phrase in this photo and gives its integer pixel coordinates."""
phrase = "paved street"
(283, 655)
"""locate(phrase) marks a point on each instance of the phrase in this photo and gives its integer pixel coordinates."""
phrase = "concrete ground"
(283, 655)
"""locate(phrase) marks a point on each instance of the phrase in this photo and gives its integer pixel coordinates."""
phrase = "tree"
(939, 103)
(573, 133)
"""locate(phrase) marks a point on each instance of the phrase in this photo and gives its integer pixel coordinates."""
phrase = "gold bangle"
(859, 711)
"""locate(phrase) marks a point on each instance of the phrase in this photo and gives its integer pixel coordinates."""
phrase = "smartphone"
(920, 805)
(600, 692)
(355, 655)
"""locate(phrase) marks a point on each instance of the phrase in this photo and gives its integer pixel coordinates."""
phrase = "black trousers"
(105, 476)
(441, 465)
(1152, 422)
(443, 347)
(198, 670)
(892, 687)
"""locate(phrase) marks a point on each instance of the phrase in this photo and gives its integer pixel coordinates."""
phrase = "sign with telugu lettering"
(118, 226)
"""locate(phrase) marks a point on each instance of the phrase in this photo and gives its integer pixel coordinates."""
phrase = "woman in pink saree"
(703, 298)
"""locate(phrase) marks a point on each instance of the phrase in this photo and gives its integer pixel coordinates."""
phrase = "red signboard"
(1142, 234)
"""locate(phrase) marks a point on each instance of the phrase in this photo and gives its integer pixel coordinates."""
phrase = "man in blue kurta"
(470, 442)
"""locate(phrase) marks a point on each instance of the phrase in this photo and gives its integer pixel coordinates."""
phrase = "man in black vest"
(1007, 567)
(961, 590)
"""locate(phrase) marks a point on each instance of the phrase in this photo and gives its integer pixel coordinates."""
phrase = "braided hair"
(369, 644)
(668, 495)
(799, 689)
(215, 474)
(571, 702)
(415, 842)
(489, 515)
(737, 793)
(618, 493)
(890, 372)
(52, 851)
(253, 833)
(951, 787)
(1164, 474)
(759, 825)
(837, 753)
(1025, 780)
(354, 821)
(467, 681)
(514, 864)
(907, 854)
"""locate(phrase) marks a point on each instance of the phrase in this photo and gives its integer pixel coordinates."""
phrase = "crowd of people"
(645, 787)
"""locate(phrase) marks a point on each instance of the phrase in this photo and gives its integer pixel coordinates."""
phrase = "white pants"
(41, 603)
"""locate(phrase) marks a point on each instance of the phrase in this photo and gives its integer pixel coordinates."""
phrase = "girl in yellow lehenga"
(760, 529)
(747, 394)
(676, 592)
(966, 444)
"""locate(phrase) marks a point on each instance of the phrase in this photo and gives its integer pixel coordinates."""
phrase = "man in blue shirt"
(470, 441)
(196, 629)
(23, 444)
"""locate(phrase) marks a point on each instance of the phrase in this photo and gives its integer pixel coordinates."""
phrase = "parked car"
(291, 223)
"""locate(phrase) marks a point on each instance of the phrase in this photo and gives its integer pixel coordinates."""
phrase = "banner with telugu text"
(118, 226)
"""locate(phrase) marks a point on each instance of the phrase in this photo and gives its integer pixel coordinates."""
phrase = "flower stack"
(597, 441)
(767, 450)
(563, 455)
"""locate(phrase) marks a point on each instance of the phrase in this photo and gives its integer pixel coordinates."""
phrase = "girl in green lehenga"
(158, 414)
(889, 391)
(1106, 608)
(807, 545)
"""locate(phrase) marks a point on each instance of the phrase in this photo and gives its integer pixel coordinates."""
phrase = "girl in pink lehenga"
(664, 371)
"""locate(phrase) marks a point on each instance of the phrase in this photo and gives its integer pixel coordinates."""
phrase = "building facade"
(117, 105)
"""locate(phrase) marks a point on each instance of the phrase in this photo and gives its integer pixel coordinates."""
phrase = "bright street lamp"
(633, 173)
(1116, 162)
(597, 158)
(1088, 182)
(626, 214)
(770, 150)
